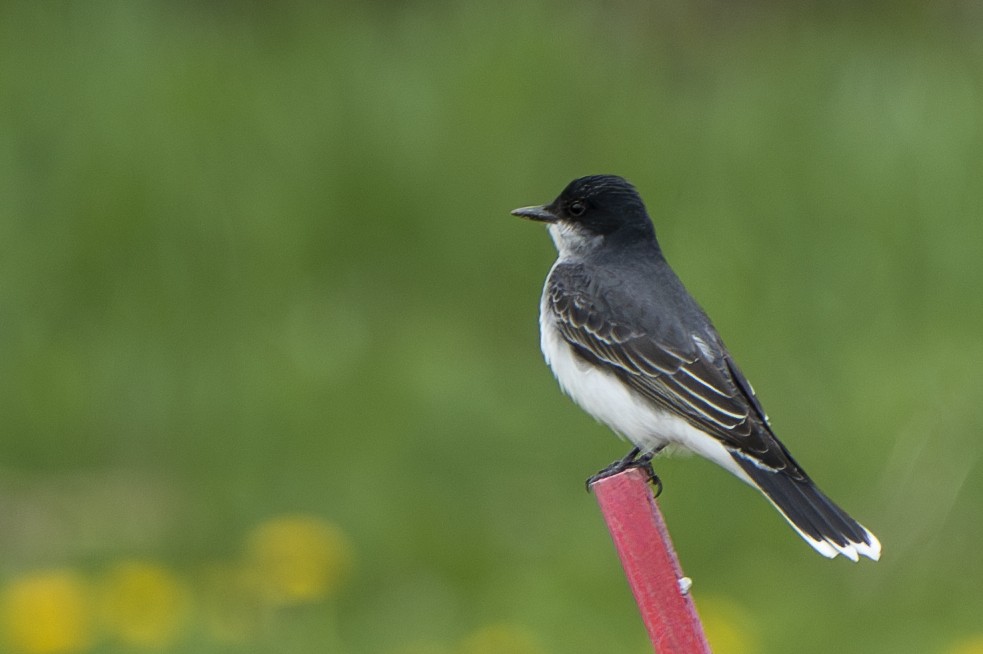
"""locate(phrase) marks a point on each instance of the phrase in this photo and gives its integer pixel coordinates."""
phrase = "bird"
(629, 344)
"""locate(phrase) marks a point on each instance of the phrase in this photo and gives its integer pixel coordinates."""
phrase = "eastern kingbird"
(630, 345)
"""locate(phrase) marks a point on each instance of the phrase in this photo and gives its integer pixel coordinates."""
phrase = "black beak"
(541, 214)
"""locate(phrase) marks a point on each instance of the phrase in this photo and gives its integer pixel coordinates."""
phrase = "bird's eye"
(577, 208)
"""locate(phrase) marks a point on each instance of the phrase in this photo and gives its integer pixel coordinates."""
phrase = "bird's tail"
(814, 516)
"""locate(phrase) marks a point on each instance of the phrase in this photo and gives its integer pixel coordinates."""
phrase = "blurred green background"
(269, 365)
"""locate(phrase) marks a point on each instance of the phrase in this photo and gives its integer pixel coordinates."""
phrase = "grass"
(259, 262)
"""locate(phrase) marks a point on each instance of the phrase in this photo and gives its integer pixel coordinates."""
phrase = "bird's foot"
(633, 459)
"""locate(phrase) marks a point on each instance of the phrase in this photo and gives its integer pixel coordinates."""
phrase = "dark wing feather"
(689, 374)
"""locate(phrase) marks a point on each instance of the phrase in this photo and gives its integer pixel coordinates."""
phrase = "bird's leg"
(634, 459)
(620, 465)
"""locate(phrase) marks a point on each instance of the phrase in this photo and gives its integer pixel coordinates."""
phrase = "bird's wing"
(690, 375)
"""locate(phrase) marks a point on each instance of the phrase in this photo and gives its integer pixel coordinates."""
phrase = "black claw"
(620, 465)
(645, 463)
(656, 482)
(633, 459)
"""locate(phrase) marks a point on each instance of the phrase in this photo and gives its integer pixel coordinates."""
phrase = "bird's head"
(592, 208)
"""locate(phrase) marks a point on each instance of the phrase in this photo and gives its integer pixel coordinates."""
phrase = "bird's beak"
(542, 214)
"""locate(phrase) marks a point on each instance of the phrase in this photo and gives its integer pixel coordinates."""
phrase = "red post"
(650, 563)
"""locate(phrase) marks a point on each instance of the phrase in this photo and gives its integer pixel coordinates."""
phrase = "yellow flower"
(143, 604)
(501, 639)
(727, 626)
(297, 559)
(47, 613)
(972, 645)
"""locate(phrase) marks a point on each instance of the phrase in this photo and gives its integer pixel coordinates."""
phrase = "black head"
(600, 205)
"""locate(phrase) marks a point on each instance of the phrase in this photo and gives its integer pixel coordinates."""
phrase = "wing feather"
(682, 373)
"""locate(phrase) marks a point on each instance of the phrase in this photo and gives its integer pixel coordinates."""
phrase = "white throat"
(571, 240)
